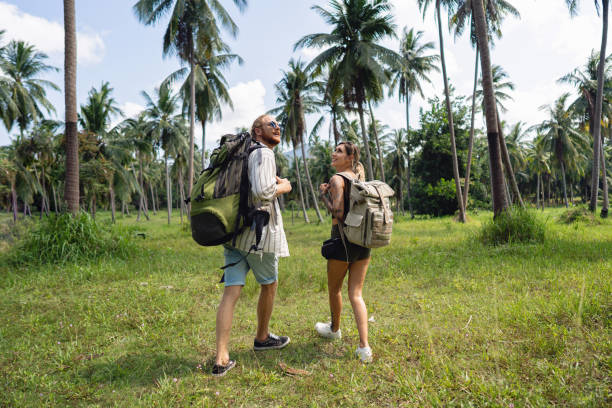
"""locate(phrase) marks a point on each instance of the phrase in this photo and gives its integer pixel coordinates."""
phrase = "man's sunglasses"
(274, 125)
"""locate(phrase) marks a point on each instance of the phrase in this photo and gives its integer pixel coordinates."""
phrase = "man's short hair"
(258, 123)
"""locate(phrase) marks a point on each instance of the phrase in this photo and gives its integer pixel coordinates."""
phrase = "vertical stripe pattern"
(262, 176)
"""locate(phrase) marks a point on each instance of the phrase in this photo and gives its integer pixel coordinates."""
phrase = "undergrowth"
(516, 225)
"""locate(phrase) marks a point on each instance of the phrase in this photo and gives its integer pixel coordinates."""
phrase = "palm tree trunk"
(168, 193)
(181, 192)
(299, 180)
(408, 157)
(366, 145)
(335, 129)
(14, 200)
(203, 142)
(93, 206)
(71, 185)
(380, 157)
(497, 174)
(564, 184)
(538, 191)
(598, 108)
(471, 140)
(507, 163)
(449, 112)
(112, 199)
(54, 197)
(605, 204)
(153, 199)
(191, 125)
(312, 192)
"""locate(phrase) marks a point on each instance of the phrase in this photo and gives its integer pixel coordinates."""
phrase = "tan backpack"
(369, 220)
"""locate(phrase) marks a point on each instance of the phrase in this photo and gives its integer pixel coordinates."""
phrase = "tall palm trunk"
(312, 192)
(14, 199)
(380, 157)
(191, 125)
(408, 158)
(538, 191)
(564, 184)
(111, 191)
(153, 199)
(335, 129)
(203, 142)
(605, 204)
(497, 175)
(181, 192)
(468, 166)
(54, 197)
(366, 145)
(598, 108)
(449, 112)
(168, 192)
(71, 185)
(299, 180)
(507, 163)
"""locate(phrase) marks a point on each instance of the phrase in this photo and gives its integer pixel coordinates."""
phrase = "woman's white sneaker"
(324, 330)
(364, 354)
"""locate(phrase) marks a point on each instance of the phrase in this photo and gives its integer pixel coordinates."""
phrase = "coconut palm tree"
(331, 105)
(538, 159)
(192, 23)
(211, 88)
(165, 127)
(562, 140)
(573, 9)
(415, 67)
(397, 154)
(71, 185)
(496, 10)
(357, 61)
(21, 63)
(448, 4)
(497, 176)
(500, 85)
(585, 82)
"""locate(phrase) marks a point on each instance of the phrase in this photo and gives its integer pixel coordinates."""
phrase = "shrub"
(578, 214)
(516, 225)
(437, 200)
(64, 238)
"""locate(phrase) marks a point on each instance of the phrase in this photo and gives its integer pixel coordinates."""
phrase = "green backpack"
(219, 199)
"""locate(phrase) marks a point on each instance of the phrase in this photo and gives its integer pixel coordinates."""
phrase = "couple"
(265, 188)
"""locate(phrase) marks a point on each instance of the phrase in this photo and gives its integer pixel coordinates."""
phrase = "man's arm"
(265, 185)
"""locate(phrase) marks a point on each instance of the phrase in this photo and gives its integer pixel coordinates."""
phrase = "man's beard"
(271, 140)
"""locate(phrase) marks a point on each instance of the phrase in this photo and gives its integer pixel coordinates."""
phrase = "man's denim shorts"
(265, 268)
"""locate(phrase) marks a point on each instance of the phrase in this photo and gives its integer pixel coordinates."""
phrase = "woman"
(345, 255)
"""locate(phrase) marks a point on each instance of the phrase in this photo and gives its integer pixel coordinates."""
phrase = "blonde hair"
(258, 123)
(353, 150)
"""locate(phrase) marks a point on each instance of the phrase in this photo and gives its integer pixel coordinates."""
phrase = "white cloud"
(48, 36)
(248, 100)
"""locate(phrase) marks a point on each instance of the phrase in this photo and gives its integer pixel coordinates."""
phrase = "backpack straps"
(347, 194)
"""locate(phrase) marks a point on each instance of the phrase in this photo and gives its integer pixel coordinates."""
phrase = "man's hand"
(283, 186)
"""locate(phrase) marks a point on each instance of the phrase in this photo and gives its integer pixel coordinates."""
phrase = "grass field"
(455, 323)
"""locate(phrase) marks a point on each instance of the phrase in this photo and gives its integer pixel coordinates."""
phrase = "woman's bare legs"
(357, 273)
(336, 271)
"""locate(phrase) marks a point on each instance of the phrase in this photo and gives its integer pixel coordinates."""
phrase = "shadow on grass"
(138, 369)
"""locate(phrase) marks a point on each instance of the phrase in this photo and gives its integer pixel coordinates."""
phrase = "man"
(265, 188)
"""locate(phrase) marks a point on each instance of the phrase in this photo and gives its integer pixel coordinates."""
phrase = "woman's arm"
(336, 189)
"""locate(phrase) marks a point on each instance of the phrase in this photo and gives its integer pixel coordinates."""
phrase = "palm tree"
(331, 103)
(357, 62)
(586, 83)
(21, 63)
(538, 159)
(497, 176)
(192, 23)
(495, 12)
(165, 127)
(415, 67)
(398, 157)
(8, 171)
(565, 143)
(71, 185)
(423, 5)
(500, 85)
(296, 95)
(573, 8)
(211, 86)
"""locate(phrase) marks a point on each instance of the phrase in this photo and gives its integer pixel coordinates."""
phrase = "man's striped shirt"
(262, 176)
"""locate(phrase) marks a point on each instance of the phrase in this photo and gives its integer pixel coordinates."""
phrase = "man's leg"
(225, 314)
(264, 310)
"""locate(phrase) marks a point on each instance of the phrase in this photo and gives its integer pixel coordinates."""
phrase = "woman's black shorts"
(335, 248)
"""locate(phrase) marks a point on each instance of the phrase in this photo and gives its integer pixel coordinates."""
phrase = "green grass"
(456, 323)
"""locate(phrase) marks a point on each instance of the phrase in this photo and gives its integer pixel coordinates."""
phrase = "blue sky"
(113, 46)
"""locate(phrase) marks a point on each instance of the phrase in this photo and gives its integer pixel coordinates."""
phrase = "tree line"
(147, 162)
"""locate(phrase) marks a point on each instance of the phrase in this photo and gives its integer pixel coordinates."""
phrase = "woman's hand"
(324, 188)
